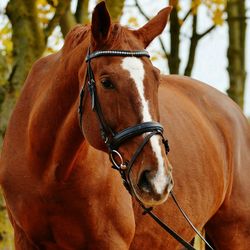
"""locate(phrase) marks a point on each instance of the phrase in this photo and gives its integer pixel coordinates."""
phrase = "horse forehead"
(134, 66)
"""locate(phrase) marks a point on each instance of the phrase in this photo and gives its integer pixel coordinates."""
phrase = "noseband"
(113, 140)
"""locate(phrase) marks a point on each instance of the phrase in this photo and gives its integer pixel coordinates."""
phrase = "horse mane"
(81, 33)
(123, 36)
(75, 36)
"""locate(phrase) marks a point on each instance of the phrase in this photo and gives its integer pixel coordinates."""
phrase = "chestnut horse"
(59, 188)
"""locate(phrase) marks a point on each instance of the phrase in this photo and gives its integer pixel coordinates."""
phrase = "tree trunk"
(28, 43)
(115, 8)
(173, 57)
(28, 39)
(67, 22)
(82, 11)
(192, 50)
(236, 11)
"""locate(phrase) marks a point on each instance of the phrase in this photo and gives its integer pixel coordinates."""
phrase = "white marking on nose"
(136, 70)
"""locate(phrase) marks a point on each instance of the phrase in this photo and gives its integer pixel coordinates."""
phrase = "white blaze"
(136, 70)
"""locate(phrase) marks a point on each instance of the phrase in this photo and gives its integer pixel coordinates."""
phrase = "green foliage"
(216, 9)
(45, 11)
(6, 231)
(6, 44)
(4, 68)
(115, 8)
(6, 49)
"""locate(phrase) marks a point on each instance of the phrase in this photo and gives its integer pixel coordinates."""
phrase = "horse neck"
(56, 114)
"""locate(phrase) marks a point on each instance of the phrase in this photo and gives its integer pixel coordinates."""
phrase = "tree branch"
(193, 45)
(141, 10)
(50, 2)
(206, 32)
(147, 18)
(163, 47)
(81, 14)
(190, 11)
(61, 9)
(187, 15)
(115, 8)
(67, 22)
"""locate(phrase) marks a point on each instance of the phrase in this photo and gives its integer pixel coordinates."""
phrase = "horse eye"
(107, 84)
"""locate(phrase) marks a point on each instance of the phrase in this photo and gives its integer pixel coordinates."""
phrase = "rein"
(114, 139)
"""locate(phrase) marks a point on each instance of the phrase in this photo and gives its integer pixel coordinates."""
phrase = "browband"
(98, 53)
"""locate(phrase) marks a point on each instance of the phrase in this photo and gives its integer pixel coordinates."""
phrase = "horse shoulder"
(16, 137)
(34, 87)
(230, 128)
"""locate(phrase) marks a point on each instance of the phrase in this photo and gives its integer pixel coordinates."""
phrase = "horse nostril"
(144, 183)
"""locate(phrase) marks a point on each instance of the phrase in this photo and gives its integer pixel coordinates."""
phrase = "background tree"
(30, 29)
(215, 9)
(235, 11)
(236, 19)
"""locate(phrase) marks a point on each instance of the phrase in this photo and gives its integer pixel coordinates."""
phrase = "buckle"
(121, 166)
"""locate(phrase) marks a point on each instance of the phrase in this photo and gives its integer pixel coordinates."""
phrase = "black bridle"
(113, 140)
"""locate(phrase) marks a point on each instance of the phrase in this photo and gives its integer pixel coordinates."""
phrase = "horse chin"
(149, 199)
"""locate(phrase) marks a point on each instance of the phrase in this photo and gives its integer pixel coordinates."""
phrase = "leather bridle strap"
(167, 228)
(106, 131)
(189, 221)
(135, 53)
(133, 131)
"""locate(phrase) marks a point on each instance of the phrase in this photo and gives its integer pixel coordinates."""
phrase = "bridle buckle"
(121, 165)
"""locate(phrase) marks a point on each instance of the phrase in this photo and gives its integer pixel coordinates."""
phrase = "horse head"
(124, 97)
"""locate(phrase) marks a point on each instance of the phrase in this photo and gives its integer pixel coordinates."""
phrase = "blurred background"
(206, 39)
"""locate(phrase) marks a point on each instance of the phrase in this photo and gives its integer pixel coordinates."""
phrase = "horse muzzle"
(152, 188)
(152, 185)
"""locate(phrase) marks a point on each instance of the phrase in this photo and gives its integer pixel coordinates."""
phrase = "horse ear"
(154, 27)
(101, 23)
